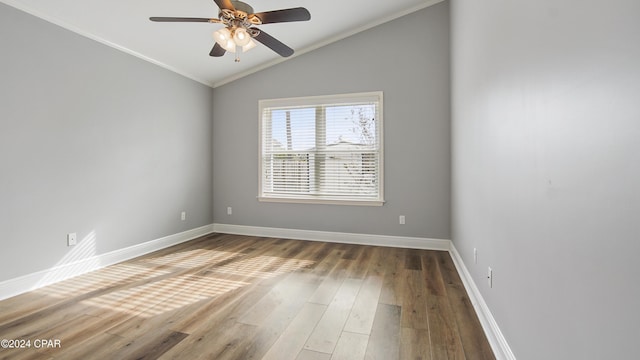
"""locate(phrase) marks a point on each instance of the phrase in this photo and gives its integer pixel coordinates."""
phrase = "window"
(322, 149)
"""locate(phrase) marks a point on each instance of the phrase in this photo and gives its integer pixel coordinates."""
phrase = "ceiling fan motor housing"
(241, 17)
(244, 7)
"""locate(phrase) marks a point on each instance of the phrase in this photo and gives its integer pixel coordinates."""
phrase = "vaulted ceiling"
(184, 47)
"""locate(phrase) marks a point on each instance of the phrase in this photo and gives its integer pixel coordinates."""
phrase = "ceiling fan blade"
(284, 15)
(274, 44)
(181, 19)
(224, 4)
(217, 50)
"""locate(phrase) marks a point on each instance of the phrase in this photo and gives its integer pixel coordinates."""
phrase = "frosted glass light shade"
(250, 45)
(241, 37)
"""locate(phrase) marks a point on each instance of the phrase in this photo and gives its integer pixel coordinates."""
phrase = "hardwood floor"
(239, 297)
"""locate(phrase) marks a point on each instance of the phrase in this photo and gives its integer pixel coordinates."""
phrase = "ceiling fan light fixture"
(240, 38)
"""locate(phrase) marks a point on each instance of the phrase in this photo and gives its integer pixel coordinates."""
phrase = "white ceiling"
(184, 47)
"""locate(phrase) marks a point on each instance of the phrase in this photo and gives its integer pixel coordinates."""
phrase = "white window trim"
(319, 100)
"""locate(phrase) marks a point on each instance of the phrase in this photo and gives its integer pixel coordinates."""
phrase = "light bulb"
(241, 37)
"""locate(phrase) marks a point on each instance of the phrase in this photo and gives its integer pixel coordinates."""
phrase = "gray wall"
(93, 141)
(546, 169)
(415, 80)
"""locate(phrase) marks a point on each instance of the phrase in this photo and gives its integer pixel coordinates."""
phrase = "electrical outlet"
(183, 216)
(229, 210)
(490, 277)
(475, 255)
(71, 239)
(401, 220)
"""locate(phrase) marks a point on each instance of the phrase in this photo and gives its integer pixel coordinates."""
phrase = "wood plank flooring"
(240, 297)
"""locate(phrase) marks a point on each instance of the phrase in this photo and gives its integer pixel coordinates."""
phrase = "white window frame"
(312, 101)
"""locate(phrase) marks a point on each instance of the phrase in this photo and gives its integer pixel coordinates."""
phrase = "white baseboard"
(336, 237)
(19, 285)
(498, 343)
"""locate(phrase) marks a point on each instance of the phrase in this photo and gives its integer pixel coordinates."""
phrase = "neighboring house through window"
(322, 149)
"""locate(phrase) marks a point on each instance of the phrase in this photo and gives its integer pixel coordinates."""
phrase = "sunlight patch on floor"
(115, 275)
(144, 287)
(164, 295)
(190, 259)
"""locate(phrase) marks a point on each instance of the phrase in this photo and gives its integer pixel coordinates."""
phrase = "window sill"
(321, 201)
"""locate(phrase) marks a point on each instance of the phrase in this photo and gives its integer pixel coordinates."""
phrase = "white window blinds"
(325, 149)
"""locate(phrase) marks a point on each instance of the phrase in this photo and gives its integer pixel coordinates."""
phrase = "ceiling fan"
(239, 31)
